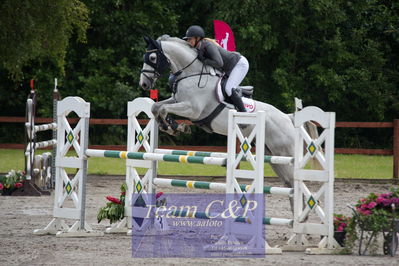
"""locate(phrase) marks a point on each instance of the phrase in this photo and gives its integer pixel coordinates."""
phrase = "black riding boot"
(237, 100)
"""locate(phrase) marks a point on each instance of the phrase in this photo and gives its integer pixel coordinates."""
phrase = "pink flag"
(224, 35)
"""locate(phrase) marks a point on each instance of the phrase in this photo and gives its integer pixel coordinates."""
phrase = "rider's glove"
(201, 56)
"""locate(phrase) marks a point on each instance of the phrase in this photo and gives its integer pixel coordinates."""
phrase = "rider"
(233, 64)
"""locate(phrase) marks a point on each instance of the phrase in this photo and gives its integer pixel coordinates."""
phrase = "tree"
(338, 55)
(39, 30)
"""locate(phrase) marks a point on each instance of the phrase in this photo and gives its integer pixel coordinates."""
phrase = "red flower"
(1, 186)
(123, 193)
(159, 194)
(18, 185)
(114, 200)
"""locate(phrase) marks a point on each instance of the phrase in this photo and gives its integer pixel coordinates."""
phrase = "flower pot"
(7, 191)
(340, 237)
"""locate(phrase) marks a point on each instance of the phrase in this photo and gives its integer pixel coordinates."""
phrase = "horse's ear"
(147, 40)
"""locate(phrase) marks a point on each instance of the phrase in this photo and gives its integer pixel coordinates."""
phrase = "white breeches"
(237, 75)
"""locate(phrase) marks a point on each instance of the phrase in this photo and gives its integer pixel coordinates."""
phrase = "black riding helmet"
(194, 31)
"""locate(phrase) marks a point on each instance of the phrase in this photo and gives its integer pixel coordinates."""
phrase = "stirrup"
(237, 100)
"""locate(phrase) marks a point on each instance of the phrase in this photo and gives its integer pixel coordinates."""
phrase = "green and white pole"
(164, 182)
(156, 157)
(240, 219)
(267, 158)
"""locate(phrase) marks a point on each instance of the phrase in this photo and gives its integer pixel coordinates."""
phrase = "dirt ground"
(19, 216)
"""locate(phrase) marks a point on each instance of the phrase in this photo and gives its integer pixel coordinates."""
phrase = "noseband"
(160, 66)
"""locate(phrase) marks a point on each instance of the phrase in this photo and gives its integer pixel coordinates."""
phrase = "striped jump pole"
(43, 127)
(42, 144)
(156, 157)
(164, 182)
(205, 215)
(267, 158)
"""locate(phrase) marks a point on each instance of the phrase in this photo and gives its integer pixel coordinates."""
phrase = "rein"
(175, 83)
(181, 70)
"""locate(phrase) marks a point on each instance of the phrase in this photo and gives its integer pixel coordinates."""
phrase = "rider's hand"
(201, 56)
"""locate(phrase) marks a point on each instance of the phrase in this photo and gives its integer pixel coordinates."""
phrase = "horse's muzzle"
(144, 85)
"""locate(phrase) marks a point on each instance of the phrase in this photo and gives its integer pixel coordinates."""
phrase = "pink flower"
(386, 202)
(395, 200)
(18, 185)
(362, 200)
(371, 205)
(379, 200)
(114, 200)
(340, 228)
(1, 186)
(386, 195)
(365, 212)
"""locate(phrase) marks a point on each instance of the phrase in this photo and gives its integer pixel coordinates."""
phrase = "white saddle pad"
(248, 103)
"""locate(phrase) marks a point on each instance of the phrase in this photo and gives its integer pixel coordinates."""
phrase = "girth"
(205, 123)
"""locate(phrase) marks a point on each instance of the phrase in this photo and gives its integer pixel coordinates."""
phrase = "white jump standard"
(40, 174)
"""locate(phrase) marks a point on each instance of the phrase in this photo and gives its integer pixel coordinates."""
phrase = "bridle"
(161, 65)
(158, 68)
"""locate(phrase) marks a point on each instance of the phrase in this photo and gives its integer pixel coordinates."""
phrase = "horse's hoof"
(164, 127)
(171, 132)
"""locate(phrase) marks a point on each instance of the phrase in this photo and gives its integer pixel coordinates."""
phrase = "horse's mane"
(166, 37)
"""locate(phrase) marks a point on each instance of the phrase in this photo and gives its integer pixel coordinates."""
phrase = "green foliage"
(105, 71)
(337, 55)
(39, 30)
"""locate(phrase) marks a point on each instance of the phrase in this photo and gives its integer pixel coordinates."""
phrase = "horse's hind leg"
(286, 175)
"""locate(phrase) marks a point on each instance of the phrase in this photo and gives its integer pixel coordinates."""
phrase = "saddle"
(243, 91)
(225, 102)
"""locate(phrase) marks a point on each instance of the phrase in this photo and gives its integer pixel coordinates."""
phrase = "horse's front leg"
(183, 109)
(164, 122)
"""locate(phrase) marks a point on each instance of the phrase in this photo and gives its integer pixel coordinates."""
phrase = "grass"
(346, 166)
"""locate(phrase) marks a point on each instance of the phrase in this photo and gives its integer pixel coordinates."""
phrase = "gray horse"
(194, 98)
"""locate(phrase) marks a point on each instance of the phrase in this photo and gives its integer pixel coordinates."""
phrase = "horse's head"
(155, 63)
(174, 53)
